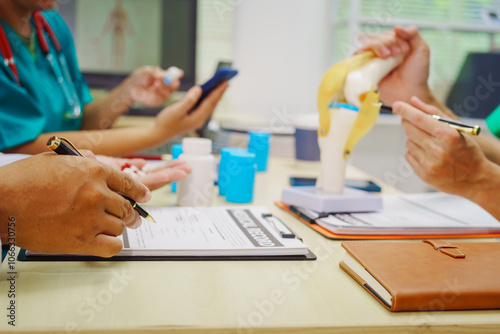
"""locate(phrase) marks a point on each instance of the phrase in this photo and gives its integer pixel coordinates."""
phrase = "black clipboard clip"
(279, 226)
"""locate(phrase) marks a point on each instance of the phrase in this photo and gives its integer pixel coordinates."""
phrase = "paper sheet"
(428, 213)
(209, 231)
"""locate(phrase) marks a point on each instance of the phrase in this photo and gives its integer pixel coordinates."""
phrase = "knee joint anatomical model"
(348, 105)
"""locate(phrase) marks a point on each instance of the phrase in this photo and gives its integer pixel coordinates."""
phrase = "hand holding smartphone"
(222, 75)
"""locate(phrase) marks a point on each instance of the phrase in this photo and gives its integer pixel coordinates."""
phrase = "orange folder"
(333, 236)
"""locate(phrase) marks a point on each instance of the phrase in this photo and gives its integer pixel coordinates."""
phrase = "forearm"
(101, 114)
(113, 142)
(486, 192)
(6, 219)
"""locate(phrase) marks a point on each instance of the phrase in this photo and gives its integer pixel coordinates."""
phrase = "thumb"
(190, 99)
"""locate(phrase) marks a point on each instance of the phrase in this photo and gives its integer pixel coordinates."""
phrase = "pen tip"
(151, 219)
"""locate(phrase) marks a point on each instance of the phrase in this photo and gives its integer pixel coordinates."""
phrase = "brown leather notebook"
(432, 275)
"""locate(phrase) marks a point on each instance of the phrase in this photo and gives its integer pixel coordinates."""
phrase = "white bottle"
(198, 187)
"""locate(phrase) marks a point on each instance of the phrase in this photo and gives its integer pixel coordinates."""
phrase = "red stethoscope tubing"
(41, 25)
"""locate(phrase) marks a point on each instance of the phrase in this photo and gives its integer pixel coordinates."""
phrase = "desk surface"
(218, 297)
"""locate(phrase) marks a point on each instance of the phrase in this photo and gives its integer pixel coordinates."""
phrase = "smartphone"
(222, 75)
(356, 184)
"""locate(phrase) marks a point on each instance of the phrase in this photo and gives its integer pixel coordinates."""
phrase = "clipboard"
(22, 256)
(333, 236)
(247, 233)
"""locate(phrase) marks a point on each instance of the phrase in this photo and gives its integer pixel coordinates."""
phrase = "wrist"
(427, 96)
(157, 134)
(485, 186)
(125, 93)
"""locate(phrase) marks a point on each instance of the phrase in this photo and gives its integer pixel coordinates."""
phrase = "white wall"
(281, 48)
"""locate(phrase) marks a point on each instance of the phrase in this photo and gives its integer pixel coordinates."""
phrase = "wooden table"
(217, 296)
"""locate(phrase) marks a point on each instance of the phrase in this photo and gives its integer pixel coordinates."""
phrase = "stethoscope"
(42, 25)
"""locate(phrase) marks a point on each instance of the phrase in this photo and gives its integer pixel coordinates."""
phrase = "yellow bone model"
(333, 89)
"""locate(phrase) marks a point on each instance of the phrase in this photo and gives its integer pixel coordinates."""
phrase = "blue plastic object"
(343, 105)
(306, 145)
(176, 151)
(224, 173)
(222, 75)
(242, 168)
(259, 145)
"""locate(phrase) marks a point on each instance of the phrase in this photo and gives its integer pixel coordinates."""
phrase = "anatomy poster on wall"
(119, 35)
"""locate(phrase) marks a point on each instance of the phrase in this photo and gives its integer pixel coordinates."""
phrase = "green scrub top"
(39, 104)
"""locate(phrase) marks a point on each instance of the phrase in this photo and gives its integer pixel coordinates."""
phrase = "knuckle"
(128, 210)
(97, 169)
(127, 184)
(434, 169)
(122, 229)
(94, 195)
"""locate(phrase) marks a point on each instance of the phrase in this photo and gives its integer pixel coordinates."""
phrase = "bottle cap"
(197, 146)
(263, 135)
(242, 157)
(171, 74)
(226, 151)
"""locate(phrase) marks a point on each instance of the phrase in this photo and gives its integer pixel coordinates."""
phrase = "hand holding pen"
(439, 154)
(69, 205)
(457, 125)
(63, 146)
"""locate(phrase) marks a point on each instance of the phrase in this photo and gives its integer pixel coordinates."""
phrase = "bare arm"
(144, 86)
(112, 142)
(170, 122)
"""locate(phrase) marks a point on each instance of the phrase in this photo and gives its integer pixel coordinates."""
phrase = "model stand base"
(351, 200)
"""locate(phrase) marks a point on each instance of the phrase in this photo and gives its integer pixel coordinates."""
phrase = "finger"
(207, 106)
(124, 184)
(383, 45)
(137, 223)
(120, 208)
(417, 117)
(175, 85)
(88, 154)
(138, 162)
(414, 134)
(104, 246)
(423, 161)
(112, 225)
(406, 33)
(177, 163)
(162, 88)
(415, 164)
(411, 34)
(189, 100)
(159, 179)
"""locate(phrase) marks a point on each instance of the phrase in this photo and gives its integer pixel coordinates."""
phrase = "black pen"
(63, 146)
(469, 129)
